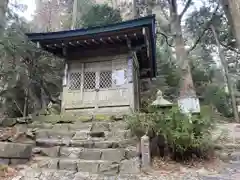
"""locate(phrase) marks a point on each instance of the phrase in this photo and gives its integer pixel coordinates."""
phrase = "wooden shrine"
(103, 65)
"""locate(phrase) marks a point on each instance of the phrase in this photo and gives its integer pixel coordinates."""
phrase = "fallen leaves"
(168, 166)
(6, 172)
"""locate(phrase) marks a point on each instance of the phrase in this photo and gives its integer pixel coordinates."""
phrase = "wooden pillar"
(65, 80)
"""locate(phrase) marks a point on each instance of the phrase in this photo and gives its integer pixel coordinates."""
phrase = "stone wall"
(14, 153)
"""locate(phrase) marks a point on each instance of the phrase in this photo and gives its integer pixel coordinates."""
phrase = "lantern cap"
(160, 101)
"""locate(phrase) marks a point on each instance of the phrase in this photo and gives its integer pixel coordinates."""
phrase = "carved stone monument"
(145, 149)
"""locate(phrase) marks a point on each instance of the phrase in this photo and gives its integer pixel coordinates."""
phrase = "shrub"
(184, 135)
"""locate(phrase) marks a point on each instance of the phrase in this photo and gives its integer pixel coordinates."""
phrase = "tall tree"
(234, 16)
(100, 14)
(79, 9)
(74, 14)
(3, 10)
(174, 26)
(134, 9)
(47, 16)
(226, 73)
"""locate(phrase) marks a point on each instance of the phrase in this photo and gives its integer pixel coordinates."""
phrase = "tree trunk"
(233, 17)
(186, 82)
(227, 11)
(25, 108)
(74, 14)
(3, 10)
(149, 7)
(134, 9)
(229, 84)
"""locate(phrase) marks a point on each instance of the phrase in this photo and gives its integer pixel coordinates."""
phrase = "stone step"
(93, 143)
(91, 166)
(98, 126)
(235, 156)
(216, 177)
(110, 154)
(82, 134)
(43, 174)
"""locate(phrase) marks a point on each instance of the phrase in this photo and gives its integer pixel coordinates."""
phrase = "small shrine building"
(104, 65)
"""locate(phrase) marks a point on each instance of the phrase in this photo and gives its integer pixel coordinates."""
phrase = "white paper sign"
(118, 77)
(189, 105)
(65, 75)
(238, 108)
(130, 66)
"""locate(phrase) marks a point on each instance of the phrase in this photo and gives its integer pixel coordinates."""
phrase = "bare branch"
(15, 102)
(185, 8)
(173, 6)
(229, 48)
(207, 25)
(164, 13)
(166, 38)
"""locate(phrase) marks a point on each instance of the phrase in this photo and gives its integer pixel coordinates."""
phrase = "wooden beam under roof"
(78, 42)
(86, 42)
(95, 41)
(110, 39)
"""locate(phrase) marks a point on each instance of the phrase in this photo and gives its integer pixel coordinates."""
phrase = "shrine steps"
(97, 147)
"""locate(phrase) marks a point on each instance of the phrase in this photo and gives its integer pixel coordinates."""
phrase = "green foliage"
(219, 99)
(30, 77)
(99, 15)
(182, 133)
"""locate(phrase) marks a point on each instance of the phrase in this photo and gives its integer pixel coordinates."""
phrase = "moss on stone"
(84, 118)
(102, 117)
(71, 118)
(3, 168)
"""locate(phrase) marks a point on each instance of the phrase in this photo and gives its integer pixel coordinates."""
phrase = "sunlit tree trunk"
(232, 11)
(187, 89)
(225, 66)
(134, 9)
(149, 7)
(74, 14)
(3, 10)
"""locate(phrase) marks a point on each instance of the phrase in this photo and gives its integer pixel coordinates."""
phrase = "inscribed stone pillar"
(145, 149)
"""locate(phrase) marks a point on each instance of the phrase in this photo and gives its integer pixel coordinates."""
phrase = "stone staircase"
(100, 148)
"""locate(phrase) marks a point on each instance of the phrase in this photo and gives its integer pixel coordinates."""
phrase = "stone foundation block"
(41, 134)
(50, 152)
(68, 164)
(48, 163)
(15, 150)
(4, 161)
(81, 135)
(61, 127)
(100, 127)
(108, 168)
(80, 126)
(88, 166)
(90, 154)
(115, 155)
(82, 143)
(103, 144)
(60, 134)
(70, 152)
(131, 152)
(52, 142)
(18, 161)
(131, 166)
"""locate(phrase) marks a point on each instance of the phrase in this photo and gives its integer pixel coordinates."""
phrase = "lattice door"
(113, 84)
(99, 84)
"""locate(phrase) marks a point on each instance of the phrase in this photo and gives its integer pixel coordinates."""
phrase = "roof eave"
(141, 22)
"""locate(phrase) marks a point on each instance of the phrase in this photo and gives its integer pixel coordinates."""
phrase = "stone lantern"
(161, 103)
